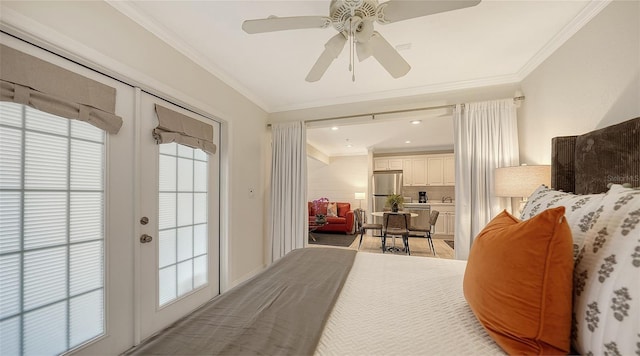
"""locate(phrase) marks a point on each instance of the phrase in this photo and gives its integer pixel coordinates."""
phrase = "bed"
(332, 301)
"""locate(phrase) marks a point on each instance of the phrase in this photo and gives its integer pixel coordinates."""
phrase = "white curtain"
(486, 137)
(288, 209)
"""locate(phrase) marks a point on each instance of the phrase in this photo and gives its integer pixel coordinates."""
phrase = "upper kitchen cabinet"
(441, 170)
(420, 170)
(387, 164)
(414, 171)
(435, 170)
(449, 174)
(407, 172)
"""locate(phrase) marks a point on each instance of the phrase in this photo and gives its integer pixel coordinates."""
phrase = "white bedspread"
(404, 305)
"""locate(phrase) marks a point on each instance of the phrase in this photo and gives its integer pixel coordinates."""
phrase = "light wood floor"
(418, 246)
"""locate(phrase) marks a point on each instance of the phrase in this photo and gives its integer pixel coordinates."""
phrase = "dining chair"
(426, 231)
(362, 226)
(396, 224)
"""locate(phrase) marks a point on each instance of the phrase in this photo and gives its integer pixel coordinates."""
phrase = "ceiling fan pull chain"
(353, 58)
(351, 37)
(352, 49)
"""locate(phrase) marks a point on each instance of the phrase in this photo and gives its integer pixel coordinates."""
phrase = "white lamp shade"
(359, 196)
(520, 181)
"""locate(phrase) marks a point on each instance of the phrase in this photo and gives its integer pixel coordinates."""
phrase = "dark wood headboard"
(586, 164)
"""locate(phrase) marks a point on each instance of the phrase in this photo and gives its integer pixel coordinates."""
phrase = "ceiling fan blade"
(390, 59)
(398, 10)
(364, 50)
(332, 50)
(272, 24)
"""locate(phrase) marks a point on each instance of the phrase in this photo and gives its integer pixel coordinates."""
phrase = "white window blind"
(51, 232)
(182, 252)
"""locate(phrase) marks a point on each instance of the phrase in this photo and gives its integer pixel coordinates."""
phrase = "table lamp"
(359, 197)
(521, 181)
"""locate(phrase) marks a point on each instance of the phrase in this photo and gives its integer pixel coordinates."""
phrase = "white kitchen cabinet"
(451, 220)
(449, 171)
(385, 164)
(407, 177)
(445, 225)
(441, 225)
(441, 170)
(395, 164)
(414, 171)
(435, 169)
(380, 164)
(419, 171)
(423, 170)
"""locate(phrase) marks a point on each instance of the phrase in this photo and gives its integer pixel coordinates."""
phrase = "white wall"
(591, 81)
(94, 32)
(339, 180)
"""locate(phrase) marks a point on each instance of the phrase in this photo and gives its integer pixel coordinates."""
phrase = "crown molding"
(28, 30)
(128, 9)
(169, 37)
(589, 12)
(391, 94)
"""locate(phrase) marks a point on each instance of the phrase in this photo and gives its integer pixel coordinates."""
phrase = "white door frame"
(151, 318)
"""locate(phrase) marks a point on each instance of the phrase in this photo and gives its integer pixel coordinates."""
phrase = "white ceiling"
(495, 42)
(384, 134)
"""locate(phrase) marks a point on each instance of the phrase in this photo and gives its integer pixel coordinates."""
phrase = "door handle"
(145, 238)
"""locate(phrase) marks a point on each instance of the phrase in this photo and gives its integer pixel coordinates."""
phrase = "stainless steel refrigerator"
(385, 183)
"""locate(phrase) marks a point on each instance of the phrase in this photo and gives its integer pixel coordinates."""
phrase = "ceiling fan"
(353, 19)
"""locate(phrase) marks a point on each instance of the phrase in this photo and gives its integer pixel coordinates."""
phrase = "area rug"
(449, 242)
(332, 239)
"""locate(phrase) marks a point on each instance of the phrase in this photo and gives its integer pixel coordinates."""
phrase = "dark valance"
(28, 80)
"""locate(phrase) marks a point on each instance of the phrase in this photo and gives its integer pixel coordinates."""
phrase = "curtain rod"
(373, 114)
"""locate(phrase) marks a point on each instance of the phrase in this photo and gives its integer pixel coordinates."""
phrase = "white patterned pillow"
(579, 209)
(606, 309)
(332, 209)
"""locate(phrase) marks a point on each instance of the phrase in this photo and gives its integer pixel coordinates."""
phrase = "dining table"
(393, 247)
(381, 213)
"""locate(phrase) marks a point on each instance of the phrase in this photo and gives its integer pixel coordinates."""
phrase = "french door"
(68, 206)
(97, 257)
(178, 223)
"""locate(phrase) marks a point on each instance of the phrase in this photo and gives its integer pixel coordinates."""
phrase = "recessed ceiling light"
(335, 128)
(407, 141)
(416, 122)
(349, 145)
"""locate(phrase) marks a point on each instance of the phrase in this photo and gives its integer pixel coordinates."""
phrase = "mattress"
(404, 305)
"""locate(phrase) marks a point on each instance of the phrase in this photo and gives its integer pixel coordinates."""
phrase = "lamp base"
(521, 205)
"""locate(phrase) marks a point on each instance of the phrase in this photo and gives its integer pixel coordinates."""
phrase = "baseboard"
(247, 276)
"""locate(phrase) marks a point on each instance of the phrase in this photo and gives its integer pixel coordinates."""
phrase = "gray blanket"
(281, 311)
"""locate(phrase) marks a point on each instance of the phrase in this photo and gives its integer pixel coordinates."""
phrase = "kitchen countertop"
(429, 203)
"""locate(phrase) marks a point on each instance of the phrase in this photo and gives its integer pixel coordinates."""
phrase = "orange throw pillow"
(518, 282)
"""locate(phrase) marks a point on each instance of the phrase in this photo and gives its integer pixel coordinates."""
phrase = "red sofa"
(341, 223)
